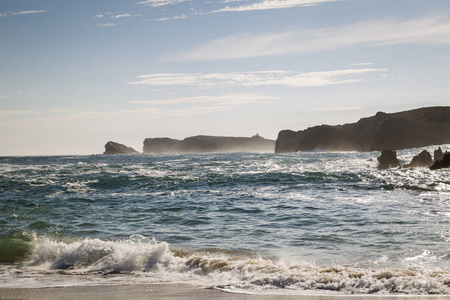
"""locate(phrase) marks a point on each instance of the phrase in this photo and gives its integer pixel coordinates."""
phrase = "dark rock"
(422, 160)
(444, 163)
(327, 137)
(208, 144)
(409, 129)
(288, 141)
(438, 154)
(116, 148)
(388, 159)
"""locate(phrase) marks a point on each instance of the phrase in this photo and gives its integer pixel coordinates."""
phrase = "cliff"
(207, 144)
(116, 148)
(409, 129)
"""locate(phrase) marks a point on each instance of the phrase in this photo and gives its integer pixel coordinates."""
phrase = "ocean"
(319, 222)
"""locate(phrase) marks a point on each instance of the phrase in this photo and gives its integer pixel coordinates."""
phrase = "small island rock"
(444, 163)
(388, 159)
(422, 160)
(438, 154)
(116, 148)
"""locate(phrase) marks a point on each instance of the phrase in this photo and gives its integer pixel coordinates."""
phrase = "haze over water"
(314, 221)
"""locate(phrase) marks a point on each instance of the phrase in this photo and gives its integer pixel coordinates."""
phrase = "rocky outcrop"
(288, 141)
(208, 144)
(161, 145)
(438, 154)
(409, 129)
(422, 160)
(444, 163)
(116, 148)
(388, 159)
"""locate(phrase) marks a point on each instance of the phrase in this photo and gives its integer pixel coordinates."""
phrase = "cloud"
(432, 30)
(158, 3)
(27, 12)
(227, 99)
(121, 16)
(252, 79)
(23, 12)
(199, 104)
(272, 4)
(150, 109)
(169, 18)
(107, 25)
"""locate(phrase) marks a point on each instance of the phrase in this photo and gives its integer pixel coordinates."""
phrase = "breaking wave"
(146, 260)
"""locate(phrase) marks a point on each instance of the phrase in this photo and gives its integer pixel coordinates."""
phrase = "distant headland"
(403, 130)
(197, 144)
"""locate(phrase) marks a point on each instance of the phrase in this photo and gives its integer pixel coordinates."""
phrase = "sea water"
(246, 222)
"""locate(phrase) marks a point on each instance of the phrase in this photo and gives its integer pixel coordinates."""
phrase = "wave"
(152, 261)
(15, 247)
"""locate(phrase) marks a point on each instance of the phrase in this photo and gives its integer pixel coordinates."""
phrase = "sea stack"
(423, 159)
(444, 163)
(387, 160)
(116, 148)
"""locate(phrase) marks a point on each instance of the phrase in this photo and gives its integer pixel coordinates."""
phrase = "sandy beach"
(170, 291)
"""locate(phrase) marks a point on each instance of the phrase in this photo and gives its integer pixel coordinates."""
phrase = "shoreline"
(178, 291)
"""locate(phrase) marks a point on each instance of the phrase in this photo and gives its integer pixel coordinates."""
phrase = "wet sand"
(172, 291)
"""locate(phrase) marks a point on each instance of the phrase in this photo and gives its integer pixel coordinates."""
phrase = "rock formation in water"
(409, 129)
(438, 154)
(388, 159)
(423, 159)
(116, 148)
(444, 163)
(207, 144)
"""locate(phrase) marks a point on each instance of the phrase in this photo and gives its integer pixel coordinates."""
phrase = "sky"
(75, 74)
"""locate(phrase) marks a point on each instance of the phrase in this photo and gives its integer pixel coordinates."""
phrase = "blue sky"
(76, 74)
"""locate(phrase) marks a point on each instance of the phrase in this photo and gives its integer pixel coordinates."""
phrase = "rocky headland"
(209, 144)
(403, 130)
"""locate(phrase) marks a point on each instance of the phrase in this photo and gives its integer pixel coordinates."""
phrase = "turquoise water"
(235, 221)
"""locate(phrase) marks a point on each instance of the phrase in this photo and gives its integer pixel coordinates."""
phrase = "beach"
(174, 291)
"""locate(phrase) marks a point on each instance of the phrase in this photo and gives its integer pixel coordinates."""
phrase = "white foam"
(140, 259)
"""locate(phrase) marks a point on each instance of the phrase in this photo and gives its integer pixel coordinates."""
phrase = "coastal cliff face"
(116, 148)
(409, 129)
(207, 144)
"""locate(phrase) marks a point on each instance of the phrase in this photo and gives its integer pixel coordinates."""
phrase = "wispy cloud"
(363, 64)
(157, 3)
(121, 16)
(23, 12)
(432, 30)
(201, 104)
(260, 78)
(150, 109)
(272, 4)
(107, 25)
(27, 12)
(168, 18)
(227, 99)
